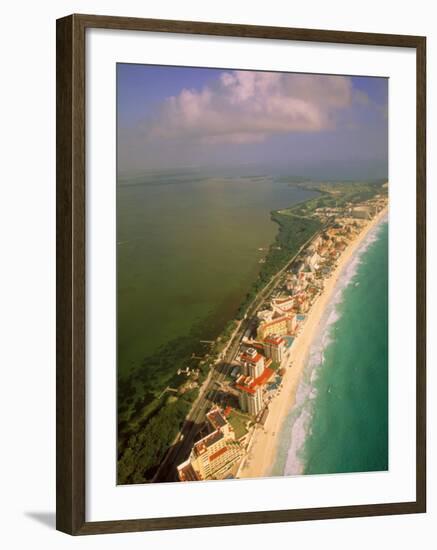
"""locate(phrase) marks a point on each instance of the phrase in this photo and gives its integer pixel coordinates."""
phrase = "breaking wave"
(290, 459)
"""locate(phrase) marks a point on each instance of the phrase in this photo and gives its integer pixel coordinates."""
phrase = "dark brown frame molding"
(70, 275)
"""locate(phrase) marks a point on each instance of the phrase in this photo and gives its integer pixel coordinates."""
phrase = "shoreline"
(262, 449)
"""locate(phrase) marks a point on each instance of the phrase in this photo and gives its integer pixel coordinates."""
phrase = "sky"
(307, 125)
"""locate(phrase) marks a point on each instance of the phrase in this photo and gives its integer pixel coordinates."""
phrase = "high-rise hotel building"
(274, 347)
(251, 391)
(213, 455)
(285, 324)
(252, 363)
(250, 399)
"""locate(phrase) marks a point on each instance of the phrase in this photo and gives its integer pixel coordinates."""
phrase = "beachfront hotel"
(282, 325)
(251, 391)
(252, 363)
(214, 455)
(217, 455)
(313, 261)
(295, 283)
(250, 400)
(274, 347)
(362, 211)
(283, 305)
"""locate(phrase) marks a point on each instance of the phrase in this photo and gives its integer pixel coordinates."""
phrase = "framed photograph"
(240, 274)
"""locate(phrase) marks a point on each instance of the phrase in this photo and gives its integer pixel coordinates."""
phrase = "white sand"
(262, 448)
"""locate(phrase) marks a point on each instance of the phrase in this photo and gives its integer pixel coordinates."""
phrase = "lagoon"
(188, 250)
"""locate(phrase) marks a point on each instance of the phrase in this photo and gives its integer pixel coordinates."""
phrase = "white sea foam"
(298, 424)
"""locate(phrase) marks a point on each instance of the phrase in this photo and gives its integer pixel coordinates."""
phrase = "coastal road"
(189, 433)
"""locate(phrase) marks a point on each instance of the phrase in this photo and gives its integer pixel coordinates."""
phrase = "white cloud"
(245, 107)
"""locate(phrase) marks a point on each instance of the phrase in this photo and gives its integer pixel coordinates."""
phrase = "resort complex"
(214, 455)
(249, 205)
(220, 406)
(257, 361)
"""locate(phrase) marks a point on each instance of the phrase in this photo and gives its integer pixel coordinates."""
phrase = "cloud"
(248, 107)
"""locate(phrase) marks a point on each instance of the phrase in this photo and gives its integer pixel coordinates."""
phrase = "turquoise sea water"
(340, 420)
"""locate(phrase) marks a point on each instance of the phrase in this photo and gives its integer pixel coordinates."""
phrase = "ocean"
(339, 422)
(188, 249)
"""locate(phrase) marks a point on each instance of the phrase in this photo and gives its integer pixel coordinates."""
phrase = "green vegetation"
(293, 232)
(145, 410)
(147, 446)
(148, 421)
(336, 195)
(238, 421)
(149, 418)
(223, 339)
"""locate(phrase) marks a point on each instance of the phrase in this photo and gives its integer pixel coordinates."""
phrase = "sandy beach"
(264, 441)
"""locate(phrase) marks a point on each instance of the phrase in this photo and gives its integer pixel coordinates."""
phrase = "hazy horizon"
(303, 125)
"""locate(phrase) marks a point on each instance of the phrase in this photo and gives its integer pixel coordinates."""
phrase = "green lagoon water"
(340, 420)
(187, 253)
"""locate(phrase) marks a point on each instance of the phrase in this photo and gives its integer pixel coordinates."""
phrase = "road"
(181, 449)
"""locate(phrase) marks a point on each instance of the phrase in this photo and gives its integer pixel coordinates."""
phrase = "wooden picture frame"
(70, 205)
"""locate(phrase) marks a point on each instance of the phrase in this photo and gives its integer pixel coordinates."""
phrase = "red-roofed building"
(251, 391)
(217, 454)
(214, 454)
(252, 362)
(274, 347)
(186, 472)
(283, 305)
(286, 324)
(217, 419)
(303, 302)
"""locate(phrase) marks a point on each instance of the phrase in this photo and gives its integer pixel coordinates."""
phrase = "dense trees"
(149, 424)
(147, 447)
(148, 421)
(293, 232)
